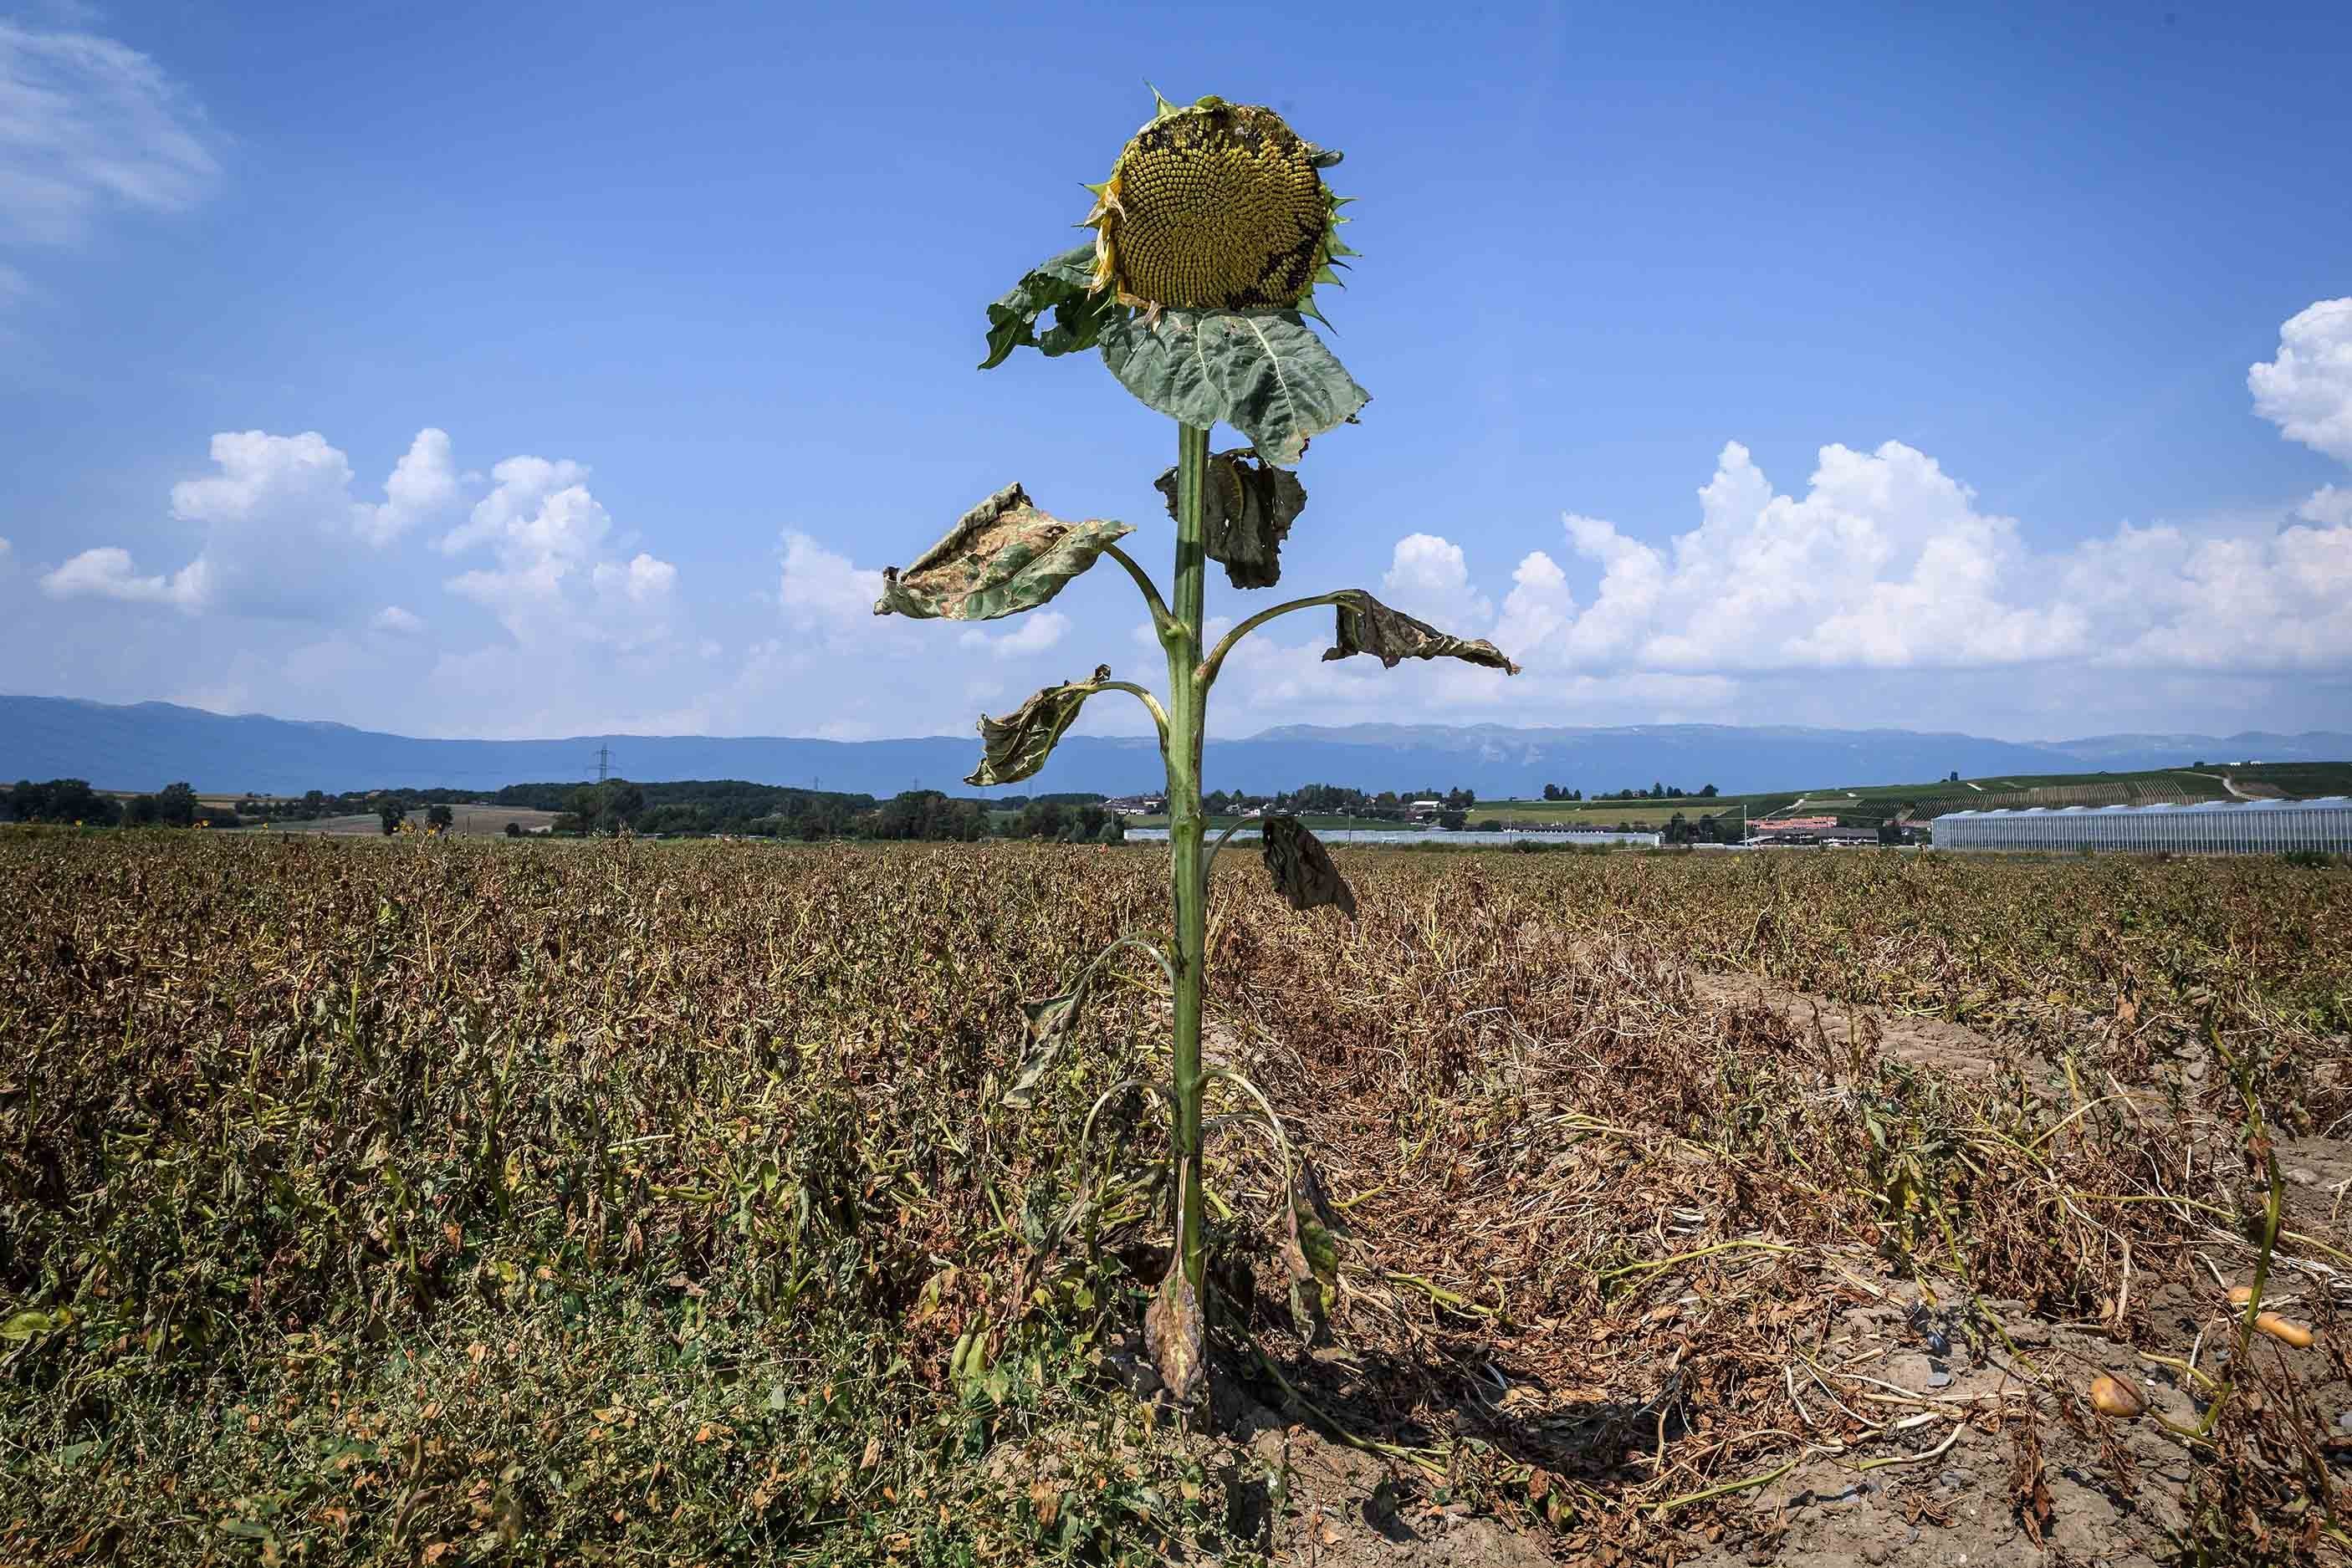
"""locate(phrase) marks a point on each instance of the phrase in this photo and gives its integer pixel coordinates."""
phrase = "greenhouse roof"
(2325, 802)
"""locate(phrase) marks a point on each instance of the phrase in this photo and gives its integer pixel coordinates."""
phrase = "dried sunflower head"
(1219, 207)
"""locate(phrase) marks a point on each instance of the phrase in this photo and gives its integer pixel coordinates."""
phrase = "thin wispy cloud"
(90, 128)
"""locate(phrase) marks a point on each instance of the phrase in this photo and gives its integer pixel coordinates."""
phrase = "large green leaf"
(1002, 557)
(1061, 285)
(1265, 373)
(1014, 746)
(1301, 867)
(1367, 626)
(1246, 509)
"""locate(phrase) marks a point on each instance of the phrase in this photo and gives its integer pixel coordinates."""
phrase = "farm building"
(2209, 828)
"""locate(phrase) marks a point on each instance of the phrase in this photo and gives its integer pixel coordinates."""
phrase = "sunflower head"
(1219, 206)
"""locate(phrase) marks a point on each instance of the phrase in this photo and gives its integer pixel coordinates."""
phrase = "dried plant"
(1211, 233)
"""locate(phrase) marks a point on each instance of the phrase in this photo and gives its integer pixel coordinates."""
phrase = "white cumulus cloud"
(1032, 633)
(825, 603)
(2306, 390)
(424, 484)
(2161, 598)
(641, 580)
(821, 588)
(2329, 505)
(1538, 605)
(1428, 577)
(279, 524)
(400, 622)
(1885, 561)
(107, 572)
(554, 582)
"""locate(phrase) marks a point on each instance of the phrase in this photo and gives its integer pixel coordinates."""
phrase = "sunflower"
(1219, 207)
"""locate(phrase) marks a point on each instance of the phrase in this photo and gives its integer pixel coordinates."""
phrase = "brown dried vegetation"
(418, 1202)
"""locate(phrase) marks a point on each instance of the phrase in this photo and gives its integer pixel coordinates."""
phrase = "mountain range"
(143, 746)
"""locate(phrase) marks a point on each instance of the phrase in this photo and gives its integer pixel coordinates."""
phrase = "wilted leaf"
(1302, 868)
(1310, 1251)
(1014, 746)
(1060, 284)
(1175, 1335)
(1042, 1038)
(1267, 374)
(1002, 557)
(1246, 510)
(27, 1325)
(1367, 626)
(1042, 1230)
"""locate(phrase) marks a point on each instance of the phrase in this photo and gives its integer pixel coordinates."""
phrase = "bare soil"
(1927, 1042)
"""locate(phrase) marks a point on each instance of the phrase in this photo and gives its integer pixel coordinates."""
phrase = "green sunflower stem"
(1187, 698)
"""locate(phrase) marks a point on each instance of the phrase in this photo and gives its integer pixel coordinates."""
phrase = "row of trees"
(316, 804)
(391, 813)
(620, 805)
(1337, 800)
(1655, 792)
(73, 801)
(1070, 824)
(680, 808)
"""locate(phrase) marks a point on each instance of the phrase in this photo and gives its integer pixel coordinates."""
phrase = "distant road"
(2227, 783)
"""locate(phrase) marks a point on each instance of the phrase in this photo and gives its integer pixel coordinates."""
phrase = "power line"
(604, 762)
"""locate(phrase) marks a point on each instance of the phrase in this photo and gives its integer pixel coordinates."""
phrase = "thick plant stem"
(1187, 693)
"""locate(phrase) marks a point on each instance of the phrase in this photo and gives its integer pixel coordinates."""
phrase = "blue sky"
(1947, 368)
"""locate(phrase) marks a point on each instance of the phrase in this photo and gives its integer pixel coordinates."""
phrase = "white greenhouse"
(2210, 827)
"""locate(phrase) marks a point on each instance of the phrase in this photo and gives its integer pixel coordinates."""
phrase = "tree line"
(678, 808)
(620, 805)
(1655, 792)
(1337, 800)
(73, 800)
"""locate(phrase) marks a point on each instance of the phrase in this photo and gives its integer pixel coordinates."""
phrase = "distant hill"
(144, 746)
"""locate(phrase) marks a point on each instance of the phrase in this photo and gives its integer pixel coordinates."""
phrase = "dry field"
(467, 821)
(446, 1202)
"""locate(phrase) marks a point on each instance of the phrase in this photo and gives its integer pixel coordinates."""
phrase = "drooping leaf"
(1002, 557)
(1265, 373)
(1367, 626)
(1246, 509)
(1042, 1228)
(1047, 1031)
(1310, 1251)
(1059, 284)
(28, 1324)
(1302, 868)
(1175, 1335)
(1014, 746)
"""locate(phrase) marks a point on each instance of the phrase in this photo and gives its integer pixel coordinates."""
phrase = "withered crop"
(429, 1201)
